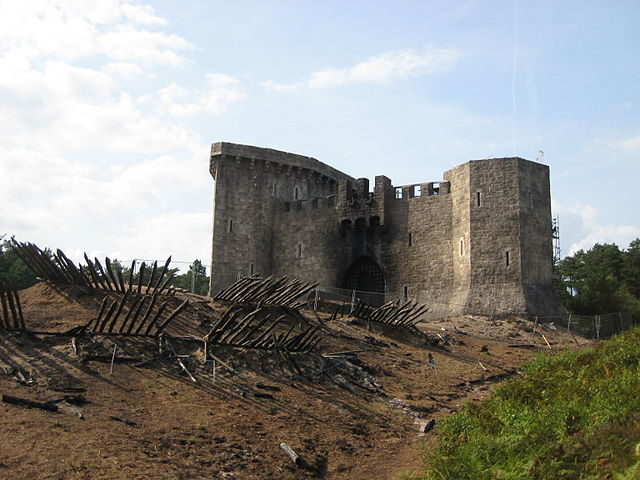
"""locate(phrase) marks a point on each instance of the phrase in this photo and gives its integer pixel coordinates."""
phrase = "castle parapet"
(292, 163)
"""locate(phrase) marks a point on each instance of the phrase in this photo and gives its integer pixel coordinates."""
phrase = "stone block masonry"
(478, 241)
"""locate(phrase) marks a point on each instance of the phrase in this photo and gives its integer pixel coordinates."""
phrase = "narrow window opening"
(251, 269)
(275, 190)
(417, 191)
(410, 239)
(398, 193)
(462, 247)
(230, 226)
(506, 258)
(478, 199)
(406, 293)
(295, 193)
(299, 250)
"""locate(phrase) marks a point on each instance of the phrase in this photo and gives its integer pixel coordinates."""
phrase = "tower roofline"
(276, 156)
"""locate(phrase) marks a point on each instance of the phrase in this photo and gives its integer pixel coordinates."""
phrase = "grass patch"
(571, 416)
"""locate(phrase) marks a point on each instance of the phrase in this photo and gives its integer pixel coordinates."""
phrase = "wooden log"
(252, 330)
(5, 308)
(162, 273)
(115, 317)
(146, 313)
(135, 314)
(121, 280)
(156, 317)
(63, 269)
(12, 307)
(22, 323)
(103, 324)
(41, 262)
(102, 273)
(76, 274)
(223, 329)
(100, 312)
(132, 308)
(112, 276)
(29, 403)
(261, 339)
(97, 281)
(153, 274)
(141, 277)
(131, 269)
(171, 316)
(123, 420)
(166, 283)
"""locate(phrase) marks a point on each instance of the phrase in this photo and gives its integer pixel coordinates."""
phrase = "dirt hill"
(351, 407)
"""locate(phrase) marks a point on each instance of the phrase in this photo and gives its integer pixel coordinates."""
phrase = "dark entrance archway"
(365, 275)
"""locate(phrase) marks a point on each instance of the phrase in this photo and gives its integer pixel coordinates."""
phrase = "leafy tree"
(200, 282)
(13, 271)
(603, 279)
(631, 267)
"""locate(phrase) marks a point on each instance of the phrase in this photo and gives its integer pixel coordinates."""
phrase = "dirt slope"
(351, 415)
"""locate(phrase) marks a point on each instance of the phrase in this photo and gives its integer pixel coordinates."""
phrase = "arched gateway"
(365, 275)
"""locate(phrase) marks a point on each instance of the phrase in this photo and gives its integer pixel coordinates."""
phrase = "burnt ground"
(351, 409)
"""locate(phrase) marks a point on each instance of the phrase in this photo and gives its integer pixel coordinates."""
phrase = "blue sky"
(107, 108)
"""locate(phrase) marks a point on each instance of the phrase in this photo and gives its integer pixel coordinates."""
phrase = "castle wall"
(477, 242)
(251, 184)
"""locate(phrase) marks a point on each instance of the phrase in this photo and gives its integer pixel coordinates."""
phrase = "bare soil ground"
(352, 409)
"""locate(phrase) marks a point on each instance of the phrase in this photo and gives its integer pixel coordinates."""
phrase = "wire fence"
(342, 302)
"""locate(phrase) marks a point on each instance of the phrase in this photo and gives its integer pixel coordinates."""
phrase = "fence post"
(353, 301)
(621, 322)
(533, 332)
(597, 320)
(569, 324)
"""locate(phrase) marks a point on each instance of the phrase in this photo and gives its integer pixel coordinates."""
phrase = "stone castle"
(479, 241)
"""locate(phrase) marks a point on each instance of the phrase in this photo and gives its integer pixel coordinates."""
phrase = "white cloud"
(621, 235)
(184, 235)
(123, 70)
(631, 144)
(221, 92)
(125, 43)
(142, 14)
(281, 87)
(388, 67)
(582, 226)
(75, 29)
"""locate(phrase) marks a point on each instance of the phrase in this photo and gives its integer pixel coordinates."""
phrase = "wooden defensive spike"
(131, 270)
(153, 274)
(103, 306)
(135, 314)
(102, 273)
(146, 314)
(171, 316)
(103, 324)
(162, 273)
(141, 277)
(133, 306)
(123, 300)
(156, 317)
(112, 276)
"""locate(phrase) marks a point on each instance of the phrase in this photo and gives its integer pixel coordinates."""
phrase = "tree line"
(603, 279)
(14, 272)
